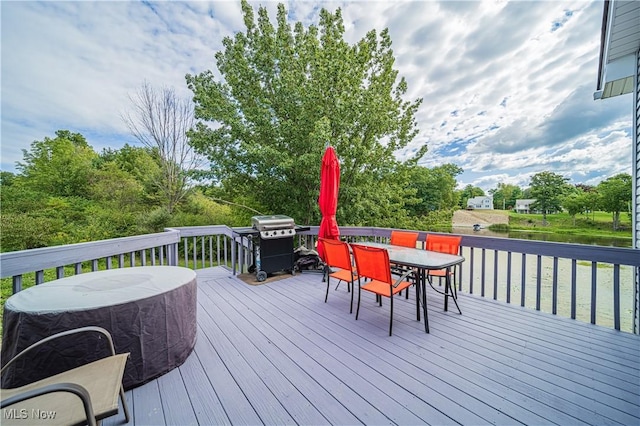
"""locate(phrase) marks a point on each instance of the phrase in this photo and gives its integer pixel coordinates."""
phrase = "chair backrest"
(336, 253)
(449, 244)
(404, 238)
(372, 262)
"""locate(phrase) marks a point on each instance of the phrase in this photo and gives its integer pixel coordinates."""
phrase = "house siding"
(636, 188)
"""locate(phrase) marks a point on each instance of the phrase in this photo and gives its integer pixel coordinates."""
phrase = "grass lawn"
(593, 224)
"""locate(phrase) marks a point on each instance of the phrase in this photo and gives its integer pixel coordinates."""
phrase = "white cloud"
(507, 86)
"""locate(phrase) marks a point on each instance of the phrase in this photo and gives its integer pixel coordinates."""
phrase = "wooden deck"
(277, 354)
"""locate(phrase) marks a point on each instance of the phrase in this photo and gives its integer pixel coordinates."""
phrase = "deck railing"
(590, 283)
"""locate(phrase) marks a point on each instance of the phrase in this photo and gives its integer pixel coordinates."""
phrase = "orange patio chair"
(449, 244)
(404, 239)
(338, 255)
(373, 263)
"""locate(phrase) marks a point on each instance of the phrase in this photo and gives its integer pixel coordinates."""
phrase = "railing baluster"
(202, 255)
(39, 277)
(210, 252)
(574, 296)
(495, 275)
(538, 281)
(16, 283)
(195, 252)
(94, 265)
(121, 260)
(616, 296)
(186, 252)
(59, 272)
(153, 256)
(554, 290)
(483, 272)
(78, 268)
(143, 256)
(523, 279)
(594, 272)
(509, 277)
(471, 272)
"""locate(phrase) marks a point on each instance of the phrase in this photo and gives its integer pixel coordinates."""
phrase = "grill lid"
(277, 221)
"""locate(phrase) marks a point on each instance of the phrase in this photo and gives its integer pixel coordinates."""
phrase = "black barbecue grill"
(272, 238)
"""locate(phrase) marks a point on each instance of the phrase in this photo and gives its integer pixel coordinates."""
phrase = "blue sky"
(507, 85)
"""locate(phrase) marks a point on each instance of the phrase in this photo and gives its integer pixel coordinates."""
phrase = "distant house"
(480, 203)
(524, 206)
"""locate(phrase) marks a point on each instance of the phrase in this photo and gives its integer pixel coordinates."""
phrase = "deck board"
(277, 354)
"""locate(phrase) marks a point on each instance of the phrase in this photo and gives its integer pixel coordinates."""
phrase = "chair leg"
(391, 315)
(326, 296)
(358, 308)
(125, 407)
(352, 291)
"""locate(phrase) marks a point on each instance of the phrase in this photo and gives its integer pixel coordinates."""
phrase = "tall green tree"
(575, 202)
(435, 188)
(468, 192)
(505, 195)
(60, 166)
(285, 93)
(614, 196)
(548, 189)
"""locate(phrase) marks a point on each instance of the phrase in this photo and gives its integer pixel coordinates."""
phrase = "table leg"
(423, 284)
(447, 283)
(449, 288)
(418, 281)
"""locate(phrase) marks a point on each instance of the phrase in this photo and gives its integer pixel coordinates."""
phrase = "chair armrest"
(62, 334)
(402, 277)
(73, 388)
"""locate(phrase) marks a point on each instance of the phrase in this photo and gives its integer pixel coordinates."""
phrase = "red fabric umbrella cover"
(328, 200)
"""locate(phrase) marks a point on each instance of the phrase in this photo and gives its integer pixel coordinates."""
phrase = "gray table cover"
(150, 312)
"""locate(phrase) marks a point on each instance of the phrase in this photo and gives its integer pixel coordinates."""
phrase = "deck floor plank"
(328, 356)
(277, 354)
(326, 347)
(265, 359)
(206, 404)
(178, 409)
(409, 370)
(540, 406)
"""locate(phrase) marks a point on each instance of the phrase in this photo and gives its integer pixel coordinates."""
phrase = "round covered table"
(150, 312)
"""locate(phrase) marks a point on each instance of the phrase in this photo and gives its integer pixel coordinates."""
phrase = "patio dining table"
(150, 312)
(423, 261)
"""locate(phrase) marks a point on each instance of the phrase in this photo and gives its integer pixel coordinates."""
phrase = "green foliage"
(548, 189)
(61, 166)
(155, 221)
(21, 231)
(202, 210)
(615, 196)
(505, 196)
(435, 188)
(468, 192)
(284, 95)
(575, 203)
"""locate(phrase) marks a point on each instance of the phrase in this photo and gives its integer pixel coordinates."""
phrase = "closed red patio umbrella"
(328, 200)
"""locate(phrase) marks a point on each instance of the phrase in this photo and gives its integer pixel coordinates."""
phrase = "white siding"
(636, 175)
